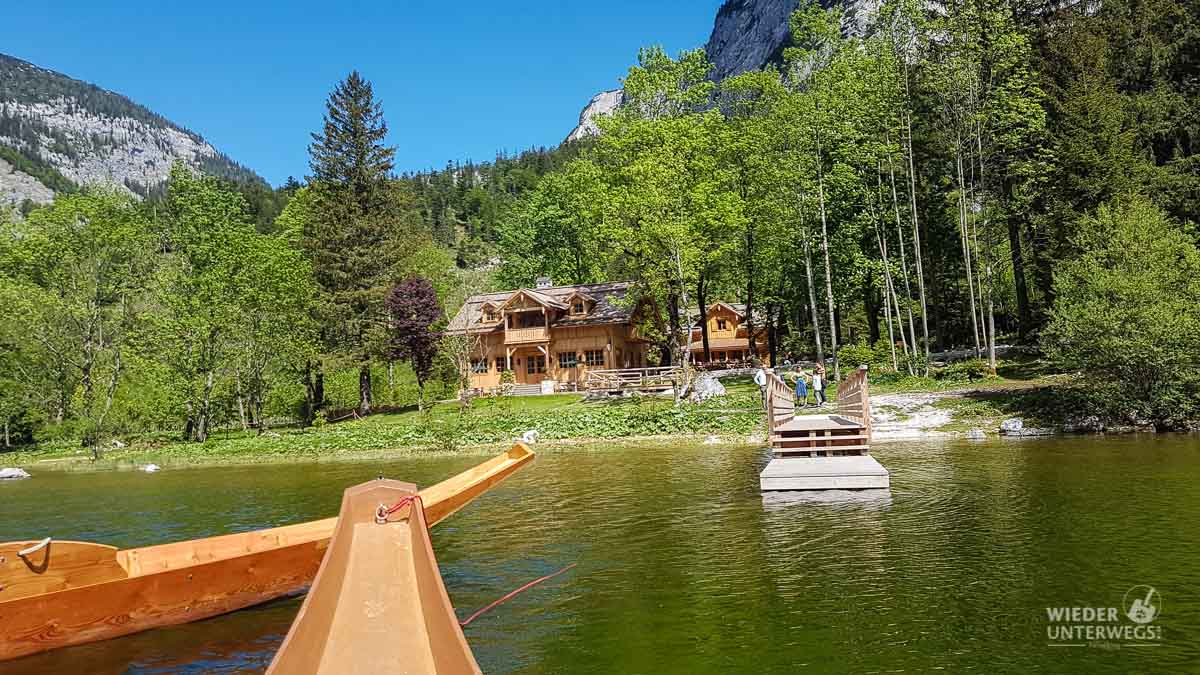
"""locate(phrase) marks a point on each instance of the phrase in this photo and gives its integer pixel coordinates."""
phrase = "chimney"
(544, 282)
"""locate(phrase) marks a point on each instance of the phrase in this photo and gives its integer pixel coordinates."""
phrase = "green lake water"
(685, 567)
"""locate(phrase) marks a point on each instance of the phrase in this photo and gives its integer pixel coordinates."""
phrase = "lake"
(685, 567)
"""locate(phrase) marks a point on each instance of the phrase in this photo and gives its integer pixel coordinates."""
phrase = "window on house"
(594, 358)
(567, 360)
(577, 307)
(479, 366)
(535, 364)
(501, 364)
(719, 356)
(722, 324)
(489, 315)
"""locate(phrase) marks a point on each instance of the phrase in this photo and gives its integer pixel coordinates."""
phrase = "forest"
(989, 173)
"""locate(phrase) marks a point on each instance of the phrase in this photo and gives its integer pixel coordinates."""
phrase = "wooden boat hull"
(378, 603)
(71, 593)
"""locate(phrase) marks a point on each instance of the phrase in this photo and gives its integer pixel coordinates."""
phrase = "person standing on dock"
(802, 388)
(760, 378)
(818, 383)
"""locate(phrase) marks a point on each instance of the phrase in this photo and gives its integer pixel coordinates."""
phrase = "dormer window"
(578, 303)
(489, 314)
(722, 324)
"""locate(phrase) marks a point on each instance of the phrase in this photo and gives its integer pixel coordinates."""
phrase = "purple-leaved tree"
(413, 307)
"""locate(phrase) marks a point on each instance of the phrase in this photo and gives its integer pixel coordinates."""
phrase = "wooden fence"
(781, 402)
(854, 399)
(634, 379)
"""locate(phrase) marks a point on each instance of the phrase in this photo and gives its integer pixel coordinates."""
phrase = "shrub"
(1127, 313)
(972, 370)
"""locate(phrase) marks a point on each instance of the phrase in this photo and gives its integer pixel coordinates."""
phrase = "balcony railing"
(514, 336)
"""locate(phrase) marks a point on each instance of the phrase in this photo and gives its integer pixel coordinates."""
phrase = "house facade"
(557, 333)
(728, 336)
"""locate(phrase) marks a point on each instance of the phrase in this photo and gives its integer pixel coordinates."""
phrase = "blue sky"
(458, 80)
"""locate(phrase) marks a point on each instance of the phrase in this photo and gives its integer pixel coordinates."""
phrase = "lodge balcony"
(520, 336)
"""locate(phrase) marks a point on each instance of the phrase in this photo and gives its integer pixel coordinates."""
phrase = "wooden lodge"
(728, 337)
(555, 335)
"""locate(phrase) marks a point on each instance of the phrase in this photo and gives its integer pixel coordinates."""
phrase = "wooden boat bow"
(69, 593)
(378, 603)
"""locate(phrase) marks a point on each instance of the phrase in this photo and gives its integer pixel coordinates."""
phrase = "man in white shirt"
(760, 378)
(818, 384)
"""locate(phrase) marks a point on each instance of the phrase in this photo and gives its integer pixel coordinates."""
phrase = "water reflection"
(871, 499)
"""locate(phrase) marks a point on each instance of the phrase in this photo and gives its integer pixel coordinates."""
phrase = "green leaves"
(1128, 309)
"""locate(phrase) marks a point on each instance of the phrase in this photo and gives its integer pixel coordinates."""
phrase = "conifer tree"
(352, 236)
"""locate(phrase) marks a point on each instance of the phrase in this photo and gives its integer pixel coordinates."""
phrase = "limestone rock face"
(16, 187)
(91, 136)
(747, 35)
(601, 104)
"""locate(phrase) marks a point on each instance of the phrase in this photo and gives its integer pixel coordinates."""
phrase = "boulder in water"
(976, 434)
(13, 474)
(151, 468)
(530, 437)
(1012, 426)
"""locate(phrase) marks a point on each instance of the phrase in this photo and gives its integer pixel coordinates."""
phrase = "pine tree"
(352, 236)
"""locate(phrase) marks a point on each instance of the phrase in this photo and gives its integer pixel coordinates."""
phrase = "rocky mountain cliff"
(747, 35)
(57, 133)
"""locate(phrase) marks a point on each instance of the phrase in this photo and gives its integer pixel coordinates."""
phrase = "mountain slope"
(747, 35)
(57, 133)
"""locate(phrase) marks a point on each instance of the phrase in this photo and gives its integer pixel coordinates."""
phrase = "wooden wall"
(624, 353)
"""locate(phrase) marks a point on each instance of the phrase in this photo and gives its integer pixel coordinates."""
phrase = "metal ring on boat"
(35, 548)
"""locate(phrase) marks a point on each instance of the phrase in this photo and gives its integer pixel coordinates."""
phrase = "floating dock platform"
(860, 472)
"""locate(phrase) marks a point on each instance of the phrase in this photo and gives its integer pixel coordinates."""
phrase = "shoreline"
(136, 459)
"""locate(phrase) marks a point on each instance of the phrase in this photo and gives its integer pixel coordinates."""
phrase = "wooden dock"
(822, 452)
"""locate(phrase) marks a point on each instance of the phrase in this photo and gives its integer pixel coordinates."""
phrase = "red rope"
(381, 515)
(512, 595)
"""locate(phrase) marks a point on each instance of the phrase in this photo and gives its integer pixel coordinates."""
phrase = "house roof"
(607, 310)
(543, 299)
(738, 309)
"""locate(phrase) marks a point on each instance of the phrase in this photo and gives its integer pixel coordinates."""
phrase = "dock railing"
(640, 379)
(781, 402)
(854, 399)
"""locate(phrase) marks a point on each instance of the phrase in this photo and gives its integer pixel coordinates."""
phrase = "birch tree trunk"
(912, 330)
(812, 300)
(833, 337)
(912, 190)
(966, 249)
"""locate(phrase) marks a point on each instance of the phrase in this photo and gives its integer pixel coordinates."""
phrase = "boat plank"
(57, 566)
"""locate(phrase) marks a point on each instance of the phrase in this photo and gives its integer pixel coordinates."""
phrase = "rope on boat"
(513, 594)
(384, 512)
(35, 548)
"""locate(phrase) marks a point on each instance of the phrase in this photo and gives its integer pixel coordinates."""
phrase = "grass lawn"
(445, 426)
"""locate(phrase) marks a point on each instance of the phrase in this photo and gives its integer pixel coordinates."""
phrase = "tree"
(353, 233)
(75, 286)
(414, 311)
(1128, 311)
